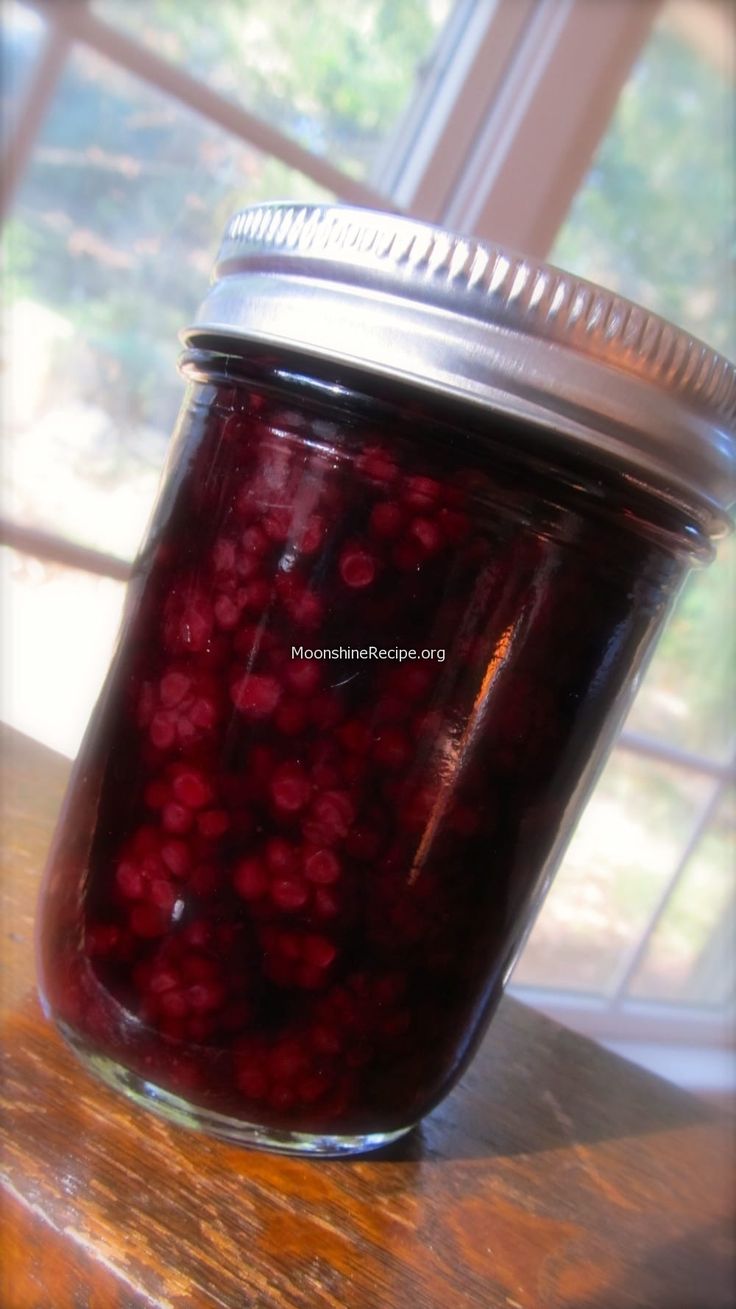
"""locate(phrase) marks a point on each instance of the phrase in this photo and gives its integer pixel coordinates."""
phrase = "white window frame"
(496, 143)
(501, 145)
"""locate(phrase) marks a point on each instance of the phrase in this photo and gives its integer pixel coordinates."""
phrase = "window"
(598, 134)
(334, 77)
(641, 914)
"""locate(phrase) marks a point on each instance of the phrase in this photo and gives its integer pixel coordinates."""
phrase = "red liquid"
(289, 889)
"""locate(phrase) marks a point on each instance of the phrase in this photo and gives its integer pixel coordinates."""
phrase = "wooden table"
(555, 1175)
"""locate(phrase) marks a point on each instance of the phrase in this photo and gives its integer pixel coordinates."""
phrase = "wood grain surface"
(556, 1175)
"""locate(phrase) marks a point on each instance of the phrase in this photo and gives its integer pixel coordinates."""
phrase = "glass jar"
(425, 511)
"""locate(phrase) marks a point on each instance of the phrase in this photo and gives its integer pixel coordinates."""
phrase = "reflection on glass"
(335, 75)
(690, 956)
(687, 697)
(21, 33)
(628, 841)
(109, 249)
(654, 217)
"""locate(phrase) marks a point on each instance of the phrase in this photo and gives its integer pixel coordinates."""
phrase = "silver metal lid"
(464, 318)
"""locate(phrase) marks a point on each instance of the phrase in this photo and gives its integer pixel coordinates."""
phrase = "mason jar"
(425, 510)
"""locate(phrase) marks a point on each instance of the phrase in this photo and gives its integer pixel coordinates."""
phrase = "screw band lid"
(472, 320)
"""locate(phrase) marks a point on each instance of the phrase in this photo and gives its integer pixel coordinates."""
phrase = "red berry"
(329, 819)
(290, 788)
(256, 695)
(312, 1087)
(287, 1059)
(322, 867)
(174, 1005)
(277, 525)
(289, 893)
(303, 676)
(254, 541)
(227, 613)
(426, 534)
(223, 555)
(357, 567)
(200, 716)
(148, 921)
(162, 894)
(174, 686)
(291, 717)
(355, 736)
(191, 788)
(205, 996)
(386, 520)
(176, 857)
(414, 679)
(248, 567)
(213, 823)
(312, 535)
(197, 934)
(318, 951)
(163, 979)
(176, 817)
(377, 464)
(454, 526)
(129, 881)
(252, 1082)
(324, 904)
(187, 622)
(326, 1040)
(421, 493)
(249, 879)
(162, 731)
(255, 596)
(281, 857)
(306, 609)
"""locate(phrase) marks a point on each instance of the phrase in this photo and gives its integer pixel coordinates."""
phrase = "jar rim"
(472, 320)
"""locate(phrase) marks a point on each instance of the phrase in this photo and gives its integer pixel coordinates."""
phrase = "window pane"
(335, 75)
(21, 34)
(627, 844)
(109, 250)
(56, 637)
(654, 218)
(691, 955)
(687, 697)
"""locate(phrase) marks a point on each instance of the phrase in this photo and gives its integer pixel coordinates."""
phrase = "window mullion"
(61, 550)
(541, 129)
(420, 163)
(34, 106)
(646, 1020)
(649, 747)
(715, 960)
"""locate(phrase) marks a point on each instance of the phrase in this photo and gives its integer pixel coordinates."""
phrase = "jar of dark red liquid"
(425, 511)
